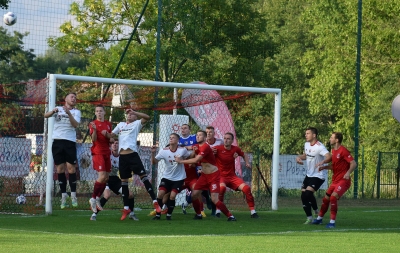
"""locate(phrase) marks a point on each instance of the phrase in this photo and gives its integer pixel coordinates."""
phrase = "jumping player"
(114, 184)
(342, 166)
(129, 160)
(225, 156)
(67, 119)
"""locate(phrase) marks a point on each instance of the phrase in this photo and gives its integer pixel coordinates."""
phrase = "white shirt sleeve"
(116, 129)
(159, 156)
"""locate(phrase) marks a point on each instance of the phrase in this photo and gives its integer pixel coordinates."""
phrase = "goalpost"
(52, 103)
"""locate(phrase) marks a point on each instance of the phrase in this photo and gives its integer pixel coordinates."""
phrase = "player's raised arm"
(153, 150)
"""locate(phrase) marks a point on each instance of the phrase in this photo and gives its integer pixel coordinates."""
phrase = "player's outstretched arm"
(153, 150)
(196, 159)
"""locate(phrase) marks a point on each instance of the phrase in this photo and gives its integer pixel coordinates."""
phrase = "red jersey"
(226, 160)
(102, 145)
(206, 152)
(341, 159)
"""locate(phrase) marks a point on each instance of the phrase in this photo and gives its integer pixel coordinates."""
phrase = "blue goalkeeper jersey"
(188, 141)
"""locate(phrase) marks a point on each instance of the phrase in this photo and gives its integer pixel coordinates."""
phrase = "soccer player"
(186, 139)
(67, 118)
(114, 184)
(225, 156)
(174, 174)
(129, 160)
(315, 154)
(100, 154)
(212, 141)
(342, 166)
(210, 177)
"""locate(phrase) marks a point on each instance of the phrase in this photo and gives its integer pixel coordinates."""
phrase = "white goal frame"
(52, 102)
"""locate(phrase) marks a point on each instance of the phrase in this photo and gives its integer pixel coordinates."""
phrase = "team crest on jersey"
(338, 156)
(213, 187)
(191, 142)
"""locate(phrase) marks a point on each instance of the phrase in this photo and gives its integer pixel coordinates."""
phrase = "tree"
(4, 4)
(15, 62)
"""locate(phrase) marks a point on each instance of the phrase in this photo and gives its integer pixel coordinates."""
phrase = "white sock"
(217, 211)
(73, 194)
(64, 195)
(332, 221)
(319, 218)
(126, 207)
(252, 211)
(309, 217)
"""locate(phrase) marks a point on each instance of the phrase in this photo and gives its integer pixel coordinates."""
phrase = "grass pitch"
(362, 226)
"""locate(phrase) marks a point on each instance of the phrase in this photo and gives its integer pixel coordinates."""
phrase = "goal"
(252, 114)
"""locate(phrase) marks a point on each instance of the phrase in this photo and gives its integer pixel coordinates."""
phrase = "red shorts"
(339, 187)
(232, 182)
(189, 183)
(101, 163)
(208, 182)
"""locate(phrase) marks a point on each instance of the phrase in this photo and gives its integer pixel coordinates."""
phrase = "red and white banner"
(207, 108)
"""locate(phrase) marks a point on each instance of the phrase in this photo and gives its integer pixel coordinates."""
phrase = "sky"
(41, 18)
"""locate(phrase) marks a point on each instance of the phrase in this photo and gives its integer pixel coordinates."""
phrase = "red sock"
(334, 207)
(197, 206)
(222, 190)
(249, 197)
(103, 187)
(324, 207)
(98, 189)
(221, 206)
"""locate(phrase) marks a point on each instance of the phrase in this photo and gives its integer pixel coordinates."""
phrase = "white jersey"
(315, 154)
(63, 129)
(216, 143)
(114, 165)
(127, 134)
(174, 171)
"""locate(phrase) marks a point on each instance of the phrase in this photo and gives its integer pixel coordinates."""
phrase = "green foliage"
(4, 4)
(16, 64)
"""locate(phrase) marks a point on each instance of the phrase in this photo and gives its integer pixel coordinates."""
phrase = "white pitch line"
(205, 235)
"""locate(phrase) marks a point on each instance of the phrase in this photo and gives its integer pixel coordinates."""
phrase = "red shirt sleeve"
(347, 156)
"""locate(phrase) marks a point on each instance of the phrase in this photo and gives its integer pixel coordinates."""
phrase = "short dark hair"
(186, 125)
(100, 105)
(313, 130)
(69, 94)
(176, 135)
(338, 136)
(210, 127)
(202, 131)
(231, 134)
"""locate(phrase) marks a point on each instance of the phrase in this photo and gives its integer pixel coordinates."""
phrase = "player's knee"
(303, 196)
(309, 194)
(326, 200)
(334, 197)
(246, 189)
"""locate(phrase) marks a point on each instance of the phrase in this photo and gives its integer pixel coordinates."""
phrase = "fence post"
(378, 176)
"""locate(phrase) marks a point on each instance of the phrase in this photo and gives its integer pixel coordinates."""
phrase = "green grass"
(361, 227)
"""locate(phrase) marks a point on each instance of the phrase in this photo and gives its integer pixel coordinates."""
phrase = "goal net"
(27, 167)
